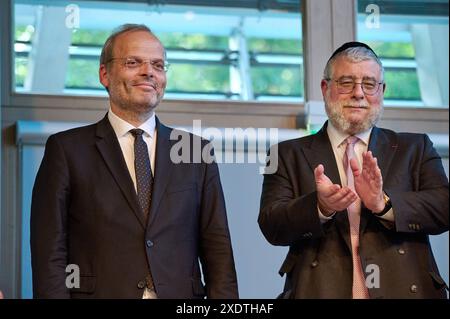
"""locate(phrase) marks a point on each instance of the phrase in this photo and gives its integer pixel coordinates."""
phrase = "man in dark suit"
(355, 203)
(100, 212)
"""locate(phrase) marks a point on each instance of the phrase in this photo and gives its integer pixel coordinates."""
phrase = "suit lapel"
(109, 148)
(383, 147)
(321, 152)
(163, 168)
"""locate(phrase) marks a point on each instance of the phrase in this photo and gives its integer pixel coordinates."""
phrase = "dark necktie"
(143, 170)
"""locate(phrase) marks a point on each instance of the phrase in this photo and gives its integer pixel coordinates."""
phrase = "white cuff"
(322, 217)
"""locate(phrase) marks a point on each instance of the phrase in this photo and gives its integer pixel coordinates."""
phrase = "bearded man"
(355, 203)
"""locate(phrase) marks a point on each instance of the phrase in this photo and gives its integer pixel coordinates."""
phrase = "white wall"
(257, 262)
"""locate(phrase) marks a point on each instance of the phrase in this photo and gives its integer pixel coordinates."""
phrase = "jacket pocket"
(288, 264)
(287, 268)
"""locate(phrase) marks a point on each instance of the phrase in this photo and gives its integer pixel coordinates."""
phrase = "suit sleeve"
(426, 208)
(49, 224)
(216, 251)
(286, 215)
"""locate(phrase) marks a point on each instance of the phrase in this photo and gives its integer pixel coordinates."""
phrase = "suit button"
(141, 284)
(149, 243)
(413, 288)
(401, 251)
(314, 264)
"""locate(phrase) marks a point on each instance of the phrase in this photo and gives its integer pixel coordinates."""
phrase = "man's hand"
(331, 197)
(369, 182)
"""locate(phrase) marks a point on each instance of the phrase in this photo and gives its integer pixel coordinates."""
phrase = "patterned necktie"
(354, 213)
(143, 170)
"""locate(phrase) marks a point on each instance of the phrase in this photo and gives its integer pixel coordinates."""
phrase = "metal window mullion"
(240, 79)
(51, 39)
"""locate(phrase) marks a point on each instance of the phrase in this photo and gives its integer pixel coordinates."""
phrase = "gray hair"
(354, 54)
(107, 50)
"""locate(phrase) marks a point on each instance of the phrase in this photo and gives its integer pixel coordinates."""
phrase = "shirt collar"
(337, 137)
(122, 127)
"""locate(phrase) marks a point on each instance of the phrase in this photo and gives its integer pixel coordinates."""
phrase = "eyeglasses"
(346, 86)
(135, 63)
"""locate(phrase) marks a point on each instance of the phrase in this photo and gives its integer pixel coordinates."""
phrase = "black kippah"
(348, 45)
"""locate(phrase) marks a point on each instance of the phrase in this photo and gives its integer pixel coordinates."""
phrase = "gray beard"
(337, 119)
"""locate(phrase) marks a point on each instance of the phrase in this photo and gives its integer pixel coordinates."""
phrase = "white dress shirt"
(337, 140)
(126, 140)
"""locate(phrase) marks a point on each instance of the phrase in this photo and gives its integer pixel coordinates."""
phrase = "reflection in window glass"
(402, 85)
(90, 37)
(24, 33)
(277, 81)
(21, 70)
(206, 62)
(412, 42)
(83, 74)
(276, 67)
(391, 49)
(22, 38)
(197, 41)
(286, 46)
(199, 78)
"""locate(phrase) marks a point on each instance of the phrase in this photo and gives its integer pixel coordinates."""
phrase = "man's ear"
(103, 75)
(324, 87)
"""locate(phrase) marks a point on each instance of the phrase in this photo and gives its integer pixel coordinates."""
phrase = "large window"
(216, 51)
(411, 38)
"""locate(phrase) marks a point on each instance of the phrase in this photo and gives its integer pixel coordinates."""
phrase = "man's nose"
(147, 68)
(358, 92)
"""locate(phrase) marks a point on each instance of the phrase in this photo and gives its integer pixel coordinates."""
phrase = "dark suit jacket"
(85, 212)
(319, 263)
